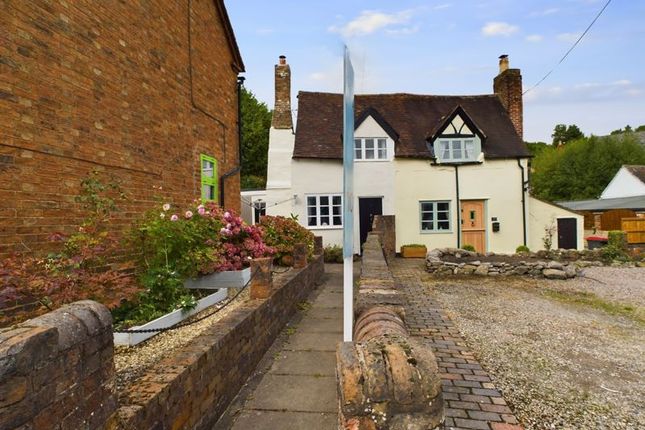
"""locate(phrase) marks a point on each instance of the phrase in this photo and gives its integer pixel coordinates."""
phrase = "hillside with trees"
(580, 167)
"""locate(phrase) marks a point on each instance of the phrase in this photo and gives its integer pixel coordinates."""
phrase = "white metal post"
(348, 198)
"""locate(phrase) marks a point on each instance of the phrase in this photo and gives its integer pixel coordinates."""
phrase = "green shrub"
(282, 234)
(468, 247)
(522, 248)
(617, 239)
(333, 254)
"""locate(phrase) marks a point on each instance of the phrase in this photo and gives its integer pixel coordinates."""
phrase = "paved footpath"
(472, 401)
(295, 384)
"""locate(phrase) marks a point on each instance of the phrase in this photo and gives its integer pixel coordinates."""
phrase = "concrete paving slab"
(272, 420)
(323, 313)
(313, 341)
(315, 325)
(328, 300)
(312, 363)
(295, 393)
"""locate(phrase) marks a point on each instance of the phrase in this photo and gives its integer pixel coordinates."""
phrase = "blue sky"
(451, 47)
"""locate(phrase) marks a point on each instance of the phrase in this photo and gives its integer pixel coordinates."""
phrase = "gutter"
(519, 164)
(235, 170)
(458, 206)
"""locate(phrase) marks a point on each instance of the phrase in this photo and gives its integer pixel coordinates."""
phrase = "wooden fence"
(635, 229)
(612, 220)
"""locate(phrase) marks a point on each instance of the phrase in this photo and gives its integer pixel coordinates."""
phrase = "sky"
(452, 47)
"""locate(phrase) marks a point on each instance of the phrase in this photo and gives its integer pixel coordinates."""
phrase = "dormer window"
(457, 139)
(370, 149)
(457, 150)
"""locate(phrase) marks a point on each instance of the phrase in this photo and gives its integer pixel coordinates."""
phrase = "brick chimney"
(508, 87)
(282, 108)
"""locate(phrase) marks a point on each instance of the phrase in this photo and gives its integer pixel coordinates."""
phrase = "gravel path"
(616, 284)
(561, 366)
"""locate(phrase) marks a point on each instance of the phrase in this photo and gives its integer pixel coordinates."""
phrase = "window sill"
(331, 227)
(437, 232)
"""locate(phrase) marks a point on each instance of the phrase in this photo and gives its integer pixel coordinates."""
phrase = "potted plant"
(414, 250)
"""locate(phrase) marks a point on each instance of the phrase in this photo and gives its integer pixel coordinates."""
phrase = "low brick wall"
(462, 262)
(193, 387)
(386, 380)
(57, 371)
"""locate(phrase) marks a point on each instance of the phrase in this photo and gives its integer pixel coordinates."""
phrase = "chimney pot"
(283, 60)
(503, 63)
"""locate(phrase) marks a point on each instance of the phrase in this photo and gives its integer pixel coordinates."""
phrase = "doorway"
(567, 237)
(367, 208)
(473, 227)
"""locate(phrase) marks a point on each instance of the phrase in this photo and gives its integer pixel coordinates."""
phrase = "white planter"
(167, 320)
(229, 279)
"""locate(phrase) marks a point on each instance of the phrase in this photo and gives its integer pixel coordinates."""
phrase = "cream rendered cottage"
(453, 170)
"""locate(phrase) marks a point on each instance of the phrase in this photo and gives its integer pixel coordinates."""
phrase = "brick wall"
(57, 371)
(88, 85)
(192, 388)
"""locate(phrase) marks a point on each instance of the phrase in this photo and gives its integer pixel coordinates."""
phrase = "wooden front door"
(473, 226)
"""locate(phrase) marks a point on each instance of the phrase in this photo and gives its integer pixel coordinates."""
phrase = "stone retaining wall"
(519, 265)
(193, 387)
(57, 371)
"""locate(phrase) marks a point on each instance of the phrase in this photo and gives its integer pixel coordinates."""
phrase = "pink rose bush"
(204, 240)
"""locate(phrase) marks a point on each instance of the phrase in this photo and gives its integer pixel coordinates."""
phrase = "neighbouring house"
(453, 170)
(629, 181)
(146, 92)
(623, 198)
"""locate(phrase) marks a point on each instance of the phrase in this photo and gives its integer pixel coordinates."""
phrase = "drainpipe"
(519, 164)
(458, 207)
(236, 170)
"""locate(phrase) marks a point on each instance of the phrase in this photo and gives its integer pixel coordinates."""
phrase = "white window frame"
(454, 145)
(318, 216)
(435, 212)
(379, 147)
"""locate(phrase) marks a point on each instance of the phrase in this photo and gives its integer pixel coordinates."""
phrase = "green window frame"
(208, 169)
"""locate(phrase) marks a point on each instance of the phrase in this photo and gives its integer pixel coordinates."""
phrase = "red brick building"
(144, 91)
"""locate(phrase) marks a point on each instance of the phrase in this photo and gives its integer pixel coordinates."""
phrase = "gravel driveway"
(561, 364)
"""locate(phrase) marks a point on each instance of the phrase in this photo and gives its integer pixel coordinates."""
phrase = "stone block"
(554, 274)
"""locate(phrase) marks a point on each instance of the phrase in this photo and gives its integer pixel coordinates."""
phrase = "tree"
(537, 147)
(582, 168)
(563, 134)
(640, 128)
(256, 122)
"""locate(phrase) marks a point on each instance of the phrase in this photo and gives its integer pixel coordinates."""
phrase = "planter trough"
(414, 251)
(218, 280)
(174, 317)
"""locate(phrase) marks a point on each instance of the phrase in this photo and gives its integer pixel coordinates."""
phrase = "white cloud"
(545, 12)
(403, 30)
(621, 89)
(499, 29)
(568, 37)
(442, 6)
(534, 38)
(370, 21)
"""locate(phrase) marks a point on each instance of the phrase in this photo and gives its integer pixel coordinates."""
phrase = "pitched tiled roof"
(638, 171)
(413, 117)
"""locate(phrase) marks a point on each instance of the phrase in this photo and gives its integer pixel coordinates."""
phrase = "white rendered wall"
(543, 215)
(624, 184)
(497, 182)
(279, 191)
(247, 199)
(371, 179)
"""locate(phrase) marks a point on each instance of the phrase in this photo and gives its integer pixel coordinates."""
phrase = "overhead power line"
(570, 49)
